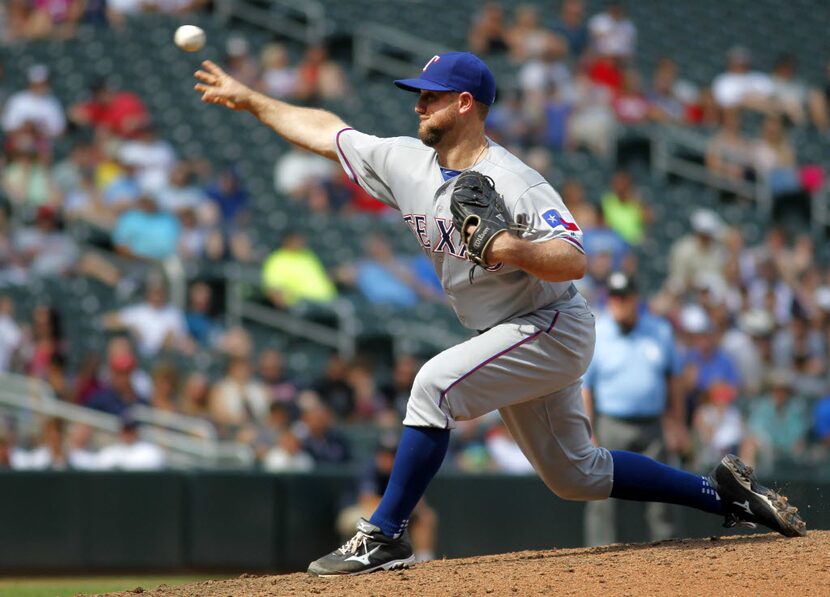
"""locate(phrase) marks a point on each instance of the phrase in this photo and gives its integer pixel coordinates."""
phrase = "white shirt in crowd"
(10, 338)
(139, 456)
(730, 89)
(44, 110)
(296, 169)
(612, 37)
(279, 460)
(507, 455)
(153, 161)
(152, 325)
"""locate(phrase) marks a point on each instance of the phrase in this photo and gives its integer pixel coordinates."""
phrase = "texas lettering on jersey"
(449, 240)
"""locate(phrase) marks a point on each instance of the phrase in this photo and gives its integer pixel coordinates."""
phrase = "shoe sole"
(393, 565)
(787, 516)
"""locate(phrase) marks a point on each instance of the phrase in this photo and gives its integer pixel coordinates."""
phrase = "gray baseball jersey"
(539, 335)
(404, 173)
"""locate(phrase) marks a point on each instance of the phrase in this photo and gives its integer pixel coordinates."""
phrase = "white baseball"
(190, 38)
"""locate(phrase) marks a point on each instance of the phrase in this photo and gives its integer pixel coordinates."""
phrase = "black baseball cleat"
(748, 503)
(367, 551)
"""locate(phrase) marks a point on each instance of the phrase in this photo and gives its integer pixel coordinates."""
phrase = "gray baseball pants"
(529, 369)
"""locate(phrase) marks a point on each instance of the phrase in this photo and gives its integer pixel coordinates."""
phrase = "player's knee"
(588, 479)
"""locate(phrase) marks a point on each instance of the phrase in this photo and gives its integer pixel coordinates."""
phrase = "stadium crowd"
(751, 322)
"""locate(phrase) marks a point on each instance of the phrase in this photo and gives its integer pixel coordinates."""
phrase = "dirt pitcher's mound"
(739, 565)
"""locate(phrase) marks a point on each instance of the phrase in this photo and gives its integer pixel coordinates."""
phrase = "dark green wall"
(248, 521)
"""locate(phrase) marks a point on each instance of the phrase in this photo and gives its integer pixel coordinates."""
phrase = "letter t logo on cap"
(435, 58)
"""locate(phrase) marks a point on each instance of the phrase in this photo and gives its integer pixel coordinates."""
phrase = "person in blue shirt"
(630, 394)
(146, 232)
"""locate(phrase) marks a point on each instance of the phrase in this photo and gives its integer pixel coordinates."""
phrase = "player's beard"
(436, 131)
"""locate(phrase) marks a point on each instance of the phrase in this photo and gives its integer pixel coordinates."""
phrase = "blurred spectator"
(729, 153)
(181, 191)
(165, 378)
(821, 422)
(669, 98)
(293, 273)
(287, 456)
(370, 487)
(266, 437)
(44, 249)
(624, 210)
(505, 452)
(27, 177)
(43, 339)
(334, 389)
(508, 123)
(57, 376)
(228, 192)
(130, 452)
(572, 27)
(778, 424)
(799, 341)
(385, 278)
(739, 87)
(718, 426)
(319, 78)
(145, 232)
(202, 324)
(399, 388)
(118, 392)
(704, 363)
(630, 105)
(121, 113)
(87, 379)
(11, 336)
(81, 453)
(238, 397)
(545, 71)
(156, 324)
(749, 346)
(612, 32)
(194, 400)
(279, 78)
(592, 125)
(152, 157)
(632, 398)
(774, 158)
(488, 30)
(298, 172)
(5, 452)
(68, 174)
(599, 239)
(369, 404)
(50, 453)
(271, 372)
(526, 37)
(239, 63)
(795, 98)
(119, 194)
(36, 104)
(319, 436)
(698, 253)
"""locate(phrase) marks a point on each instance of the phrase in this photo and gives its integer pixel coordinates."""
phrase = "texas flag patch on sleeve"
(568, 231)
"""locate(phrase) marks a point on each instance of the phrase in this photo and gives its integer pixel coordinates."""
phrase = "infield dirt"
(738, 565)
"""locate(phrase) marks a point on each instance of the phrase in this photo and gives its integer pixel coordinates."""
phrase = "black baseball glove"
(475, 201)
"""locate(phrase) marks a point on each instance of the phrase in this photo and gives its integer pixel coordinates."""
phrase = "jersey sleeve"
(366, 161)
(542, 210)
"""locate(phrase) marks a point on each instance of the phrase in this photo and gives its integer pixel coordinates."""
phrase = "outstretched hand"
(218, 87)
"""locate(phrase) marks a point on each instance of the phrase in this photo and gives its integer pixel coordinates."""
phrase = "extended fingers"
(206, 77)
(212, 68)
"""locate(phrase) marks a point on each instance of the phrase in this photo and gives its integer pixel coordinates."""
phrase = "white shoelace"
(352, 545)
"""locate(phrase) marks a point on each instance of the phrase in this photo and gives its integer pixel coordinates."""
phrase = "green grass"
(71, 586)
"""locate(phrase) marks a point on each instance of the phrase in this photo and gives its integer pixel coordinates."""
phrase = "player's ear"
(466, 102)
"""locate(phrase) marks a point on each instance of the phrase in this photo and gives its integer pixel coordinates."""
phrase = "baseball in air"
(190, 38)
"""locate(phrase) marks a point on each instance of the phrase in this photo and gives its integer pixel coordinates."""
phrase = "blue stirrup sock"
(420, 454)
(642, 479)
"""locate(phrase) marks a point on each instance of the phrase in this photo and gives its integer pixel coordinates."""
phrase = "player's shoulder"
(511, 174)
(403, 142)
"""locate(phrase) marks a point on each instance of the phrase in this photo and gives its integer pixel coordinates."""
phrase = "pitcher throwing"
(506, 250)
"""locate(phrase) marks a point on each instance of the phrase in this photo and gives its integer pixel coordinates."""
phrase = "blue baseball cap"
(455, 71)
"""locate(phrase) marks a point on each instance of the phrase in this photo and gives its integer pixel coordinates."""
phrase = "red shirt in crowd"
(122, 115)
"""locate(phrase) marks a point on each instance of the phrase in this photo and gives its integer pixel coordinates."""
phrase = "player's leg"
(482, 374)
(555, 435)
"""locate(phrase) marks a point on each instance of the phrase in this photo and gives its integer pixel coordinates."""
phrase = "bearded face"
(435, 124)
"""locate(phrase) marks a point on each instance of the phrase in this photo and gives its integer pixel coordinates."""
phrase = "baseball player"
(506, 250)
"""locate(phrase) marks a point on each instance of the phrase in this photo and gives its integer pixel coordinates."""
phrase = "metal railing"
(185, 439)
(670, 146)
(300, 20)
(390, 51)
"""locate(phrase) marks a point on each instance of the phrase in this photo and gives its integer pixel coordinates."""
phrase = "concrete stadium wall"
(68, 521)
